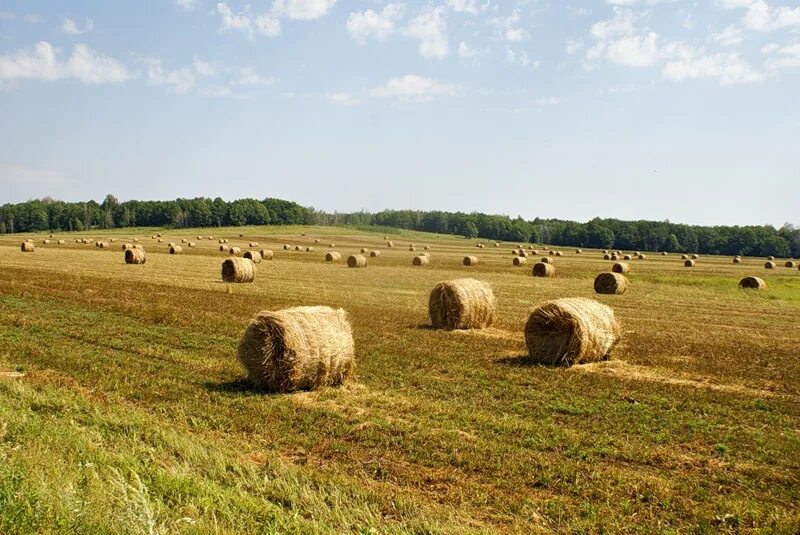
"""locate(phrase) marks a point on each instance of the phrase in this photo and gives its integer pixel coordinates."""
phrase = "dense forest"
(53, 215)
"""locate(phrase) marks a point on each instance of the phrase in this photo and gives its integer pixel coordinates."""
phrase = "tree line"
(53, 215)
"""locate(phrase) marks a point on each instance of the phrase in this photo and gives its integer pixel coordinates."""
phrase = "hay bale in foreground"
(356, 261)
(374, 254)
(461, 304)
(769, 265)
(752, 283)
(420, 260)
(176, 249)
(688, 263)
(333, 256)
(519, 261)
(235, 251)
(27, 247)
(620, 267)
(789, 264)
(266, 254)
(254, 256)
(238, 270)
(571, 331)
(610, 283)
(135, 255)
(302, 348)
(470, 260)
(543, 269)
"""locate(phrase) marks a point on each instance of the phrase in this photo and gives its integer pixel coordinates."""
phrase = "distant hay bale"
(176, 249)
(522, 253)
(46, 242)
(571, 331)
(183, 240)
(770, 258)
(614, 257)
(688, 263)
(199, 237)
(684, 257)
(534, 252)
(752, 283)
(427, 247)
(620, 267)
(253, 244)
(27, 247)
(356, 261)
(606, 257)
(642, 256)
(241, 235)
(543, 269)
(238, 270)
(298, 248)
(610, 283)
(211, 237)
(220, 240)
(519, 261)
(389, 244)
(302, 348)
(695, 257)
(62, 242)
(627, 257)
(224, 248)
(316, 240)
(159, 240)
(102, 244)
(559, 253)
(497, 245)
(420, 260)
(266, 254)
(605, 251)
(135, 255)
(737, 260)
(461, 304)
(255, 256)
(331, 245)
(374, 254)
(235, 251)
(286, 247)
(309, 249)
(578, 251)
(158, 235)
(769, 265)
(636, 253)
(191, 244)
(789, 264)
(552, 252)
(470, 260)
(78, 240)
(333, 256)
(546, 260)
(171, 244)
(135, 240)
(663, 253)
(412, 248)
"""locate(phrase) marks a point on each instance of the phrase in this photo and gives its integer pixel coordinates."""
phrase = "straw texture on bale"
(571, 331)
(374, 254)
(789, 264)
(470, 260)
(543, 269)
(176, 249)
(547, 260)
(620, 267)
(27, 247)
(752, 283)
(420, 260)
(238, 270)
(223, 248)
(255, 256)
(135, 255)
(302, 348)
(461, 304)
(769, 265)
(235, 251)
(333, 256)
(610, 283)
(357, 261)
(519, 261)
(688, 263)
(267, 254)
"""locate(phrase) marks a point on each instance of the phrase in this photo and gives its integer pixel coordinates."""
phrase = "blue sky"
(652, 109)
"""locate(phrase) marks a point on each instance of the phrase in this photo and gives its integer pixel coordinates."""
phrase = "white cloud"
(72, 28)
(265, 24)
(42, 63)
(473, 7)
(572, 46)
(727, 67)
(622, 24)
(342, 99)
(509, 27)
(413, 87)
(203, 68)
(465, 51)
(178, 81)
(248, 76)
(728, 37)
(579, 11)
(188, 5)
(302, 9)
(763, 17)
(429, 27)
(548, 101)
(520, 58)
(784, 57)
(363, 25)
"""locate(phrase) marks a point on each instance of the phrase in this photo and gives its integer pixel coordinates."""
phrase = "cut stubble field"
(123, 408)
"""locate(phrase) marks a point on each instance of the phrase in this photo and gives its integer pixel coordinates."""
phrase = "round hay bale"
(543, 269)
(769, 265)
(135, 240)
(62, 242)
(135, 255)
(559, 253)
(497, 245)
(298, 248)
(571, 331)
(664, 253)
(102, 244)
(523, 253)
(752, 283)
(605, 251)
(789, 264)
(112, 240)
(519, 261)
(221, 240)
(695, 257)
(420, 260)
(241, 235)
(183, 240)
(176, 249)
(159, 240)
(642, 257)
(331, 245)
(688, 263)
(78, 240)
(316, 240)
(309, 249)
(356, 261)
(610, 283)
(737, 260)
(238, 270)
(374, 254)
(253, 244)
(534, 252)
(636, 253)
(211, 237)
(255, 256)
(363, 250)
(627, 257)
(286, 247)
(684, 257)
(461, 304)
(46, 242)
(412, 248)
(578, 251)
(552, 252)
(546, 260)
(333, 256)
(606, 257)
(302, 348)
(614, 257)
(427, 247)
(620, 267)
(224, 248)
(770, 258)
(389, 244)
(27, 247)
(171, 244)
(470, 260)
(235, 251)
(266, 254)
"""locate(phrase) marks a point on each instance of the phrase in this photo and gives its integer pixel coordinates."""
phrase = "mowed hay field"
(123, 407)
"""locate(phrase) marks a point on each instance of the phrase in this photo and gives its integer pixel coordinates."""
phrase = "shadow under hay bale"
(571, 331)
(302, 348)
(752, 283)
(461, 304)
(610, 283)
(238, 270)
(543, 269)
